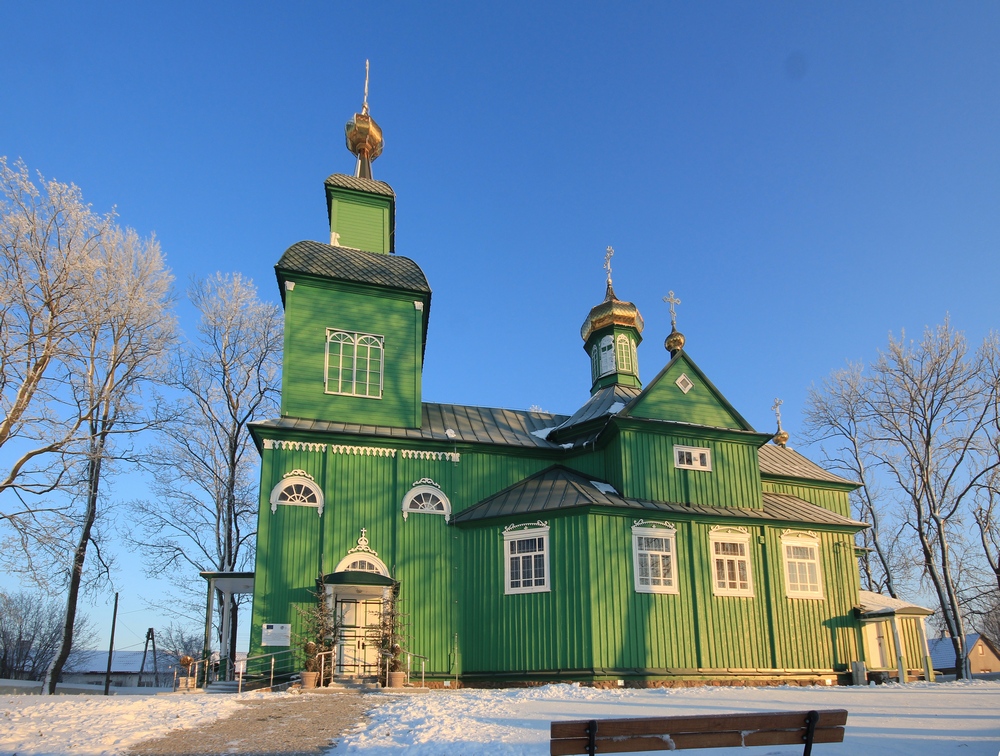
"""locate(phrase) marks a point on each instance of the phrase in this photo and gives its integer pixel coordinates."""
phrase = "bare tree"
(837, 415)
(129, 330)
(30, 631)
(48, 240)
(205, 514)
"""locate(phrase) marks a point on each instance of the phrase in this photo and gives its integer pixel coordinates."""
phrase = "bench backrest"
(704, 731)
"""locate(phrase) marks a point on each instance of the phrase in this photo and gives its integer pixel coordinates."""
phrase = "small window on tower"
(692, 458)
(607, 355)
(625, 354)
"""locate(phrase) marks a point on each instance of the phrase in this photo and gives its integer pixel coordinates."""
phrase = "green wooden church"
(652, 536)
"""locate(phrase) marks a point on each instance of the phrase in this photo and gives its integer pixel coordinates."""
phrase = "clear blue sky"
(805, 176)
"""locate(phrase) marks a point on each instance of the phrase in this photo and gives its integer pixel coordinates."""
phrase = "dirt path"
(300, 725)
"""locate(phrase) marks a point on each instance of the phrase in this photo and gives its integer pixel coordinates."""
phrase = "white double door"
(357, 648)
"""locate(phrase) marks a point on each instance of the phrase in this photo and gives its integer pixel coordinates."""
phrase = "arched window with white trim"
(607, 355)
(362, 558)
(595, 363)
(426, 497)
(297, 489)
(625, 354)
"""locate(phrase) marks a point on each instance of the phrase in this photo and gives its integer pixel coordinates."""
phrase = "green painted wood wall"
(390, 314)
(701, 405)
(362, 221)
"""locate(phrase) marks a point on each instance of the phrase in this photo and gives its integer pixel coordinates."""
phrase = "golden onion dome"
(781, 438)
(612, 311)
(364, 137)
(674, 341)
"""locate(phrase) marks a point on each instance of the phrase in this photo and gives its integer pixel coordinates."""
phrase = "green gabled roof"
(703, 404)
(558, 488)
(354, 265)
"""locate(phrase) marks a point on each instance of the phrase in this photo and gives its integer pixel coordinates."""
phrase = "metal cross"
(672, 301)
(776, 408)
(607, 262)
(364, 107)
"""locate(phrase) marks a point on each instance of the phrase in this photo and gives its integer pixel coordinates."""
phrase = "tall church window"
(354, 363)
(800, 552)
(595, 363)
(654, 548)
(607, 355)
(426, 497)
(625, 354)
(731, 569)
(526, 559)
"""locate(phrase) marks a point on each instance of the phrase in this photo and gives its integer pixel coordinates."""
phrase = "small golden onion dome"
(364, 139)
(612, 311)
(675, 341)
(780, 438)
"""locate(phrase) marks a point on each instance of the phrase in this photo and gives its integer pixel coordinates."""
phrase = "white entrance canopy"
(878, 608)
(228, 584)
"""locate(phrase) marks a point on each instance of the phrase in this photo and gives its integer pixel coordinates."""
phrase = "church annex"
(651, 537)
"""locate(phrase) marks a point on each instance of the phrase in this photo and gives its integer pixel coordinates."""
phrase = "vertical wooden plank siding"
(648, 471)
(362, 222)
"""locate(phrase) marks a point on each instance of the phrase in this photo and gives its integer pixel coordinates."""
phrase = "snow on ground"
(99, 725)
(922, 719)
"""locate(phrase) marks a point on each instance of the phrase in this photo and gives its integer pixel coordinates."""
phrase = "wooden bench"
(707, 731)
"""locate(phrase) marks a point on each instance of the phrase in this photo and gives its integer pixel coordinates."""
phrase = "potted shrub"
(319, 632)
(388, 635)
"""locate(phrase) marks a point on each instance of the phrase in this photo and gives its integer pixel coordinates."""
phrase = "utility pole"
(111, 648)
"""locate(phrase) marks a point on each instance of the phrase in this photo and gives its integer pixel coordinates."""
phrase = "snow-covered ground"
(922, 719)
(890, 720)
(99, 725)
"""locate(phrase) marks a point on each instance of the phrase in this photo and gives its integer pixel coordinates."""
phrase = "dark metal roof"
(558, 488)
(360, 184)
(343, 264)
(788, 463)
(609, 400)
(483, 425)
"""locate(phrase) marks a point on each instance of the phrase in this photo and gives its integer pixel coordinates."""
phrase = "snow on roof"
(876, 603)
(943, 650)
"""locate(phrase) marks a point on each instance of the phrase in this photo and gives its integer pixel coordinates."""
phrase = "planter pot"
(309, 680)
(396, 679)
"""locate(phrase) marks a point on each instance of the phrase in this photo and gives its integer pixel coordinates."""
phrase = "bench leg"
(592, 737)
(811, 719)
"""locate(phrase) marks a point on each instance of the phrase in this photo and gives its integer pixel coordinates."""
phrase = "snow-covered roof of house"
(943, 650)
(877, 604)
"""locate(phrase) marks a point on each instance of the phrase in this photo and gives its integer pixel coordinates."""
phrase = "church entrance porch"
(356, 598)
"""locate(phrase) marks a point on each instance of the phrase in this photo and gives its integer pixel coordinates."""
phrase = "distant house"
(983, 654)
(90, 667)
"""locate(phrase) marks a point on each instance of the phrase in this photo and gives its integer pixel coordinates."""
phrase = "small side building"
(984, 657)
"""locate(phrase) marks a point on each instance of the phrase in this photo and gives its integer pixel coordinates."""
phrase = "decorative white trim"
(811, 540)
(730, 534)
(305, 481)
(362, 552)
(684, 383)
(724, 530)
(698, 454)
(418, 306)
(363, 451)
(653, 524)
(289, 285)
(535, 524)
(802, 534)
(293, 445)
(342, 386)
(426, 486)
(433, 455)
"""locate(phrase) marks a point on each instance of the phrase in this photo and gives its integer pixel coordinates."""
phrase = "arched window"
(298, 489)
(426, 497)
(625, 354)
(354, 363)
(607, 355)
(362, 558)
(595, 363)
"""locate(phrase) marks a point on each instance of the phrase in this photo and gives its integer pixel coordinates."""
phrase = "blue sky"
(807, 177)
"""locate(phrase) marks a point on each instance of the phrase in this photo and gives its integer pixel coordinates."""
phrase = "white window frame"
(625, 354)
(295, 489)
(731, 536)
(512, 534)
(802, 539)
(362, 553)
(668, 533)
(698, 455)
(426, 489)
(595, 362)
(684, 383)
(354, 339)
(606, 355)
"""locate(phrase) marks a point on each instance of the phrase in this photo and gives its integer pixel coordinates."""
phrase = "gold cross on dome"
(364, 107)
(776, 408)
(672, 301)
(607, 262)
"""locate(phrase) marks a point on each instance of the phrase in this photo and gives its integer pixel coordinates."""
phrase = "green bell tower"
(611, 333)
